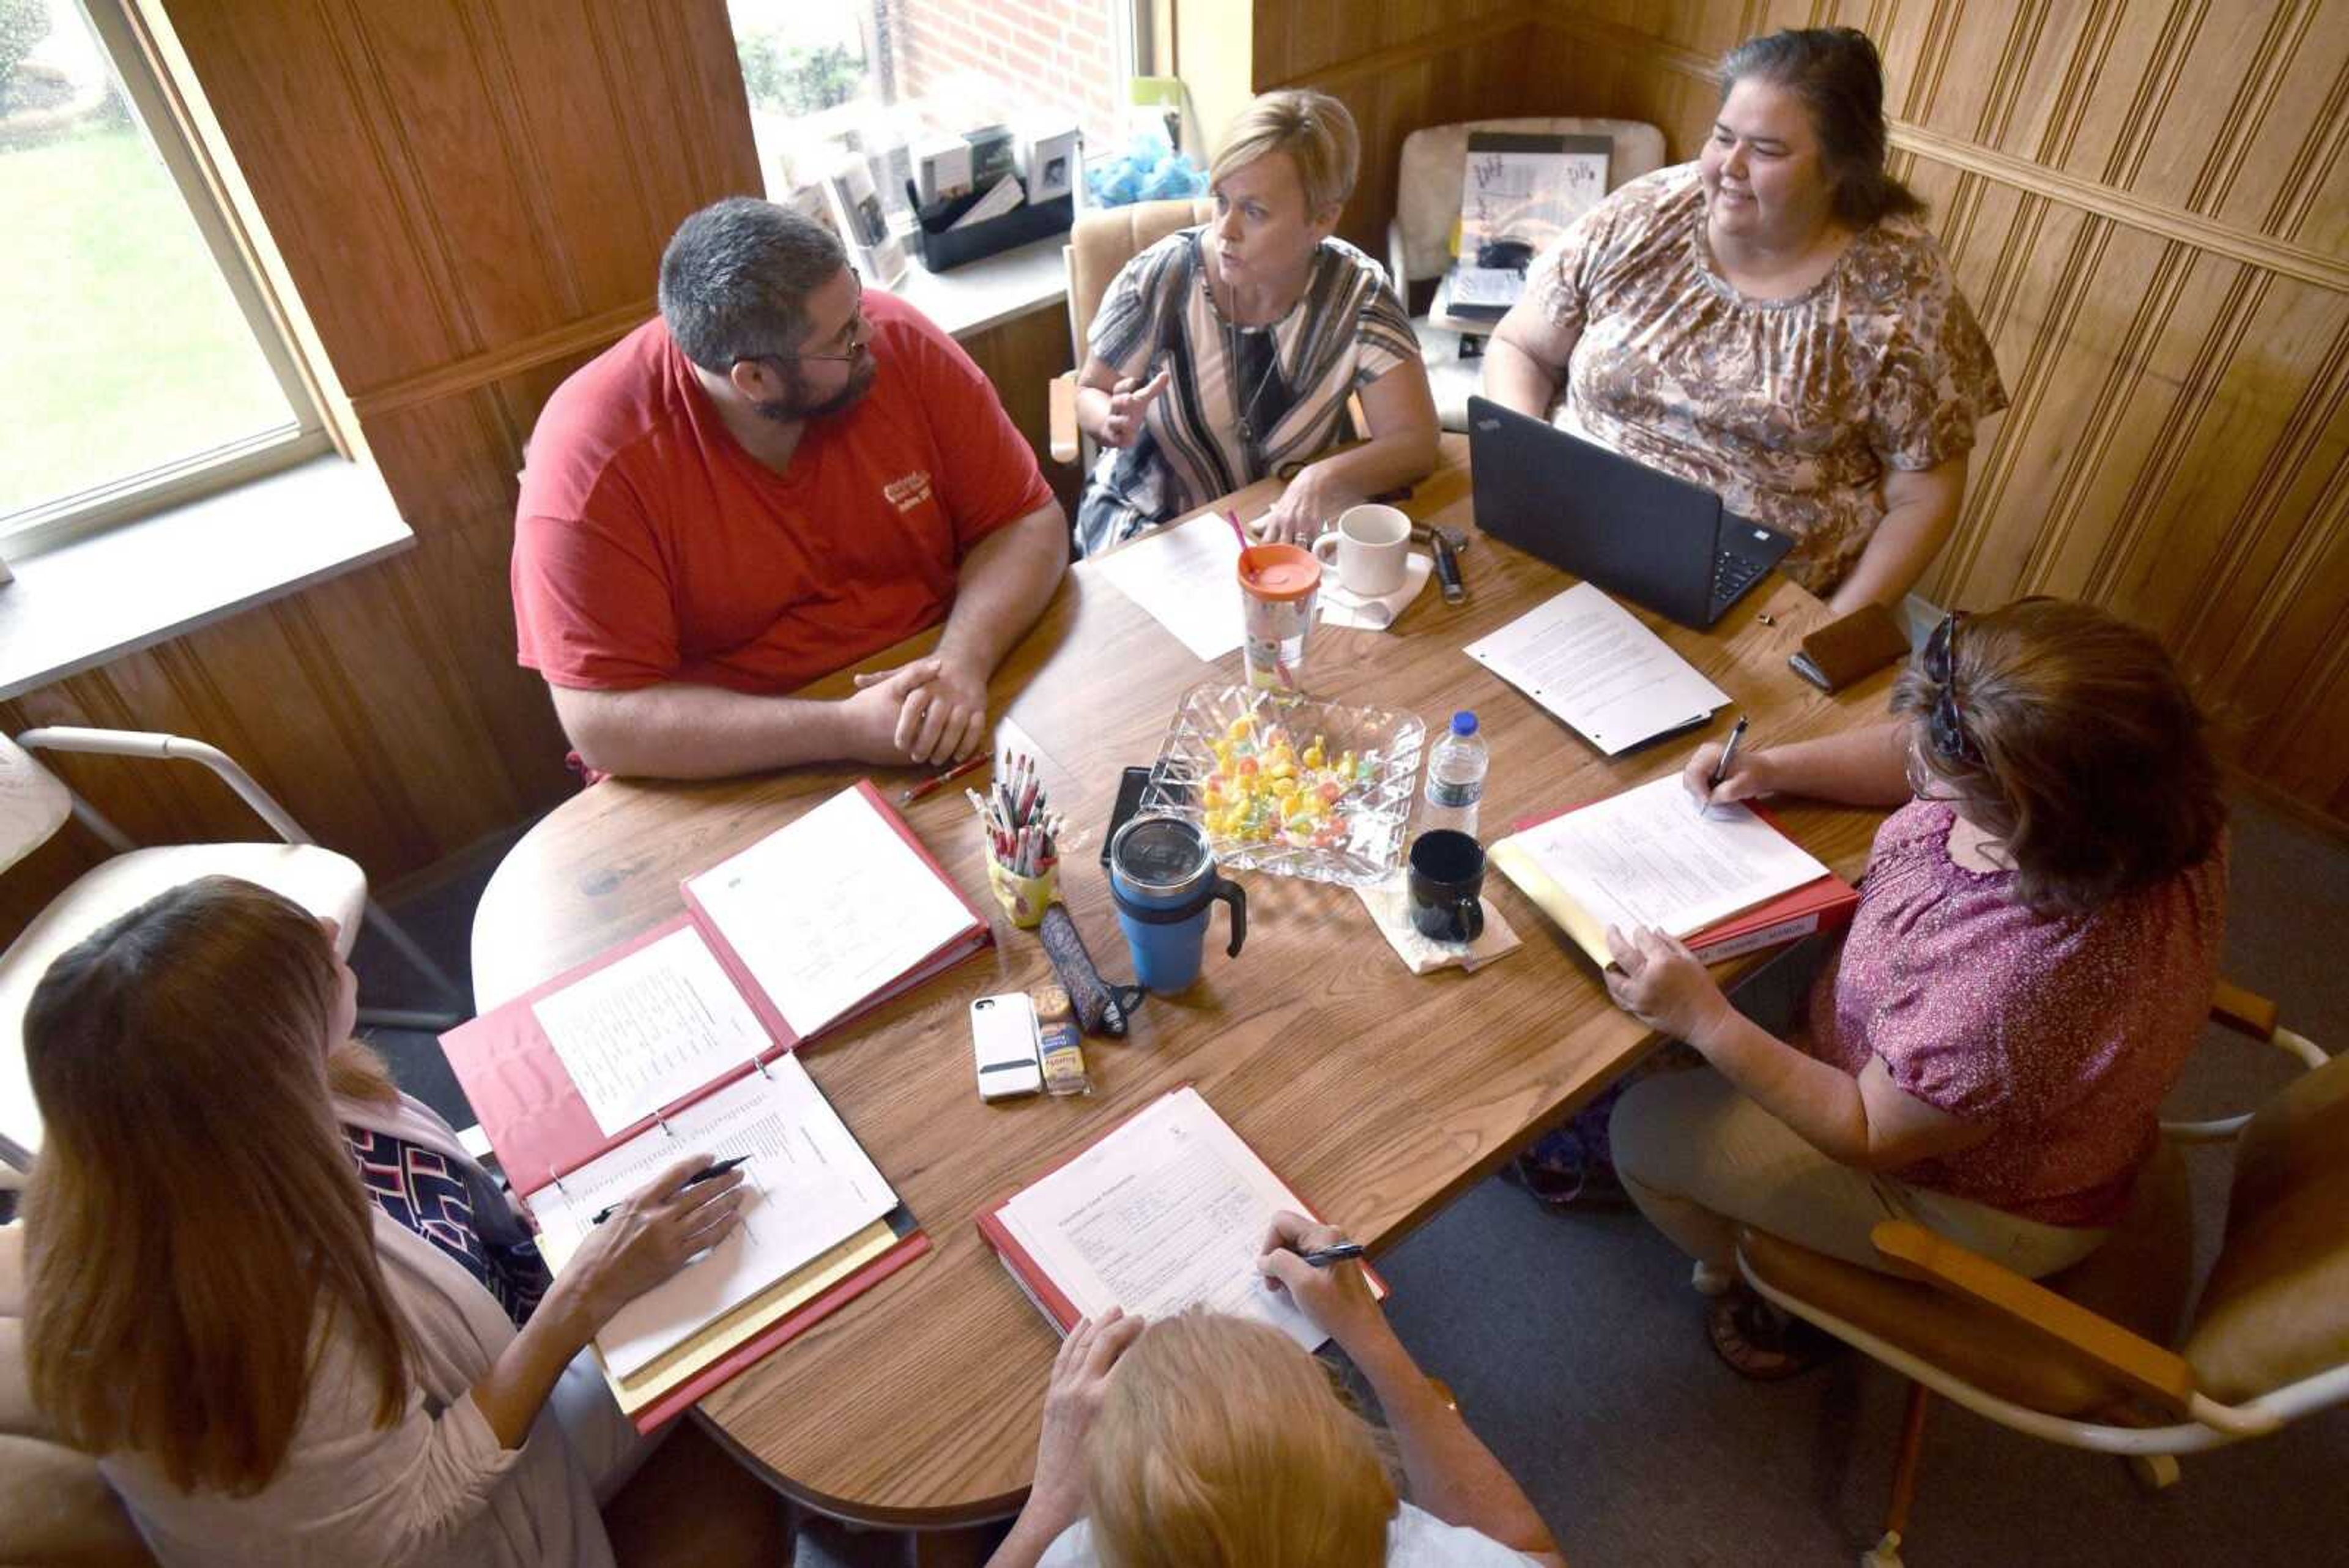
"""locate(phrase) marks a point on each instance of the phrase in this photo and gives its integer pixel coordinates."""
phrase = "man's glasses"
(860, 334)
(1945, 723)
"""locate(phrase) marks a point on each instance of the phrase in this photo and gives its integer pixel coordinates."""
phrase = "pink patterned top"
(2062, 1031)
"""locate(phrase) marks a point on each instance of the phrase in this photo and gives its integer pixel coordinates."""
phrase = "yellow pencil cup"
(1024, 899)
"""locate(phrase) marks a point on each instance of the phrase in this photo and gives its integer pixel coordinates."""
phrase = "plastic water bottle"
(1456, 776)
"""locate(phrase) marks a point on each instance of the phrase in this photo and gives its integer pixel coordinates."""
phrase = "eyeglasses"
(1920, 777)
(1945, 723)
(860, 334)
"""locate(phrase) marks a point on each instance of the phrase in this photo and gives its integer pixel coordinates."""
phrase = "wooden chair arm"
(1063, 404)
(2134, 1361)
(2243, 1011)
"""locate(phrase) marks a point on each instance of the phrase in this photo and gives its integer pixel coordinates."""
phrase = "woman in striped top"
(1226, 353)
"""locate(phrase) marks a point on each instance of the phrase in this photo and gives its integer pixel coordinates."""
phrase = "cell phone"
(1003, 1045)
(1128, 801)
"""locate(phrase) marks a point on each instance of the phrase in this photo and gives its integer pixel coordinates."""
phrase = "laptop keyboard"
(1733, 574)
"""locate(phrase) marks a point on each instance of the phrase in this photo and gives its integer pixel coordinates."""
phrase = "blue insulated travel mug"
(1162, 877)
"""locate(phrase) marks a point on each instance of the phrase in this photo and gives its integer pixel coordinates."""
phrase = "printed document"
(650, 1029)
(1588, 661)
(810, 1187)
(1168, 1211)
(1187, 578)
(1653, 857)
(831, 910)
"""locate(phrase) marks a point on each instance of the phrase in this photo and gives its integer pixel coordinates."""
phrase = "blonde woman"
(1208, 1441)
(1223, 354)
(276, 1360)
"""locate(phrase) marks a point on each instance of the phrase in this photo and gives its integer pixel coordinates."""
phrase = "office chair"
(2094, 1356)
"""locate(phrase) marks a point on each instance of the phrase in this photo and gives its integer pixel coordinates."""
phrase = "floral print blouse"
(1789, 409)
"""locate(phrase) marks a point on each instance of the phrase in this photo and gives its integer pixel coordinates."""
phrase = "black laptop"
(1657, 540)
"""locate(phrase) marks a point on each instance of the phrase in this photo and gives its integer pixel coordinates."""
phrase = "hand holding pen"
(674, 1219)
(1716, 775)
(1728, 755)
(707, 1173)
(1336, 1297)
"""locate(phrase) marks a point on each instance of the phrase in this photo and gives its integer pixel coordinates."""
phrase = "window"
(144, 366)
(879, 73)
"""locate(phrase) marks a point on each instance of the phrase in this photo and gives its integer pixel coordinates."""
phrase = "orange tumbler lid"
(1279, 571)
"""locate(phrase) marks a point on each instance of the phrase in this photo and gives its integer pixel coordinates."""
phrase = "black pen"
(1322, 1257)
(707, 1173)
(1728, 754)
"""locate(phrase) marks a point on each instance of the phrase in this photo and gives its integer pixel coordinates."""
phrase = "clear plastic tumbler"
(1279, 587)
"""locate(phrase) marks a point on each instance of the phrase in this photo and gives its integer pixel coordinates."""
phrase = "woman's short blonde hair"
(1220, 1442)
(1316, 132)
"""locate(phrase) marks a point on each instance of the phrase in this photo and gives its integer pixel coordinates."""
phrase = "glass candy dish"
(1353, 774)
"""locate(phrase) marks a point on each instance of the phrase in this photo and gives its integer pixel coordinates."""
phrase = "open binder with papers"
(1166, 1211)
(679, 1042)
(1726, 879)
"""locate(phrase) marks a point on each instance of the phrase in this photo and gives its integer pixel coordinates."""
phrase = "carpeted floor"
(1576, 1346)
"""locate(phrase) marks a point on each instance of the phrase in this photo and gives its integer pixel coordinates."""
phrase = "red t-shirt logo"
(908, 492)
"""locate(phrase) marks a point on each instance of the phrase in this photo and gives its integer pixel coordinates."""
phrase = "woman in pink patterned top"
(1773, 322)
(2030, 965)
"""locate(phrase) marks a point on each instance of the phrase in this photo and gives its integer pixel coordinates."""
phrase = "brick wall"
(1013, 57)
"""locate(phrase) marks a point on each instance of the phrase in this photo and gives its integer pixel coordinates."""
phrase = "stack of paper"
(1588, 661)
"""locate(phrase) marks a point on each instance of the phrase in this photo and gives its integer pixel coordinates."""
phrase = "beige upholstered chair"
(54, 1505)
(1427, 207)
(1099, 244)
(2098, 1357)
(33, 804)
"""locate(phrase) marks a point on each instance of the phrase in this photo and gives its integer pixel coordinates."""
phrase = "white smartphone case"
(1003, 1042)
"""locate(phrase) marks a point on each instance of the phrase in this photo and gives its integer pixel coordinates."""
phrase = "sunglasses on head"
(1945, 721)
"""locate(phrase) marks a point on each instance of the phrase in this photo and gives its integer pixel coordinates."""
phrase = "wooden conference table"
(1377, 1094)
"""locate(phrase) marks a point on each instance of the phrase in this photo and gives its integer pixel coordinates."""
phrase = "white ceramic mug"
(1373, 548)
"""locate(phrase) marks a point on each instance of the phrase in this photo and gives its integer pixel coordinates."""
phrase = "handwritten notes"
(649, 1029)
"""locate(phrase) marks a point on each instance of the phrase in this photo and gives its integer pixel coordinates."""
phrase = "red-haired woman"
(2030, 966)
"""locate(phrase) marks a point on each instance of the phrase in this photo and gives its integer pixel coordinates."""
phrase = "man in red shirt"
(778, 476)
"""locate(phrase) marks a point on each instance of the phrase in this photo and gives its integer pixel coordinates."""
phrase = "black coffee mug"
(1447, 878)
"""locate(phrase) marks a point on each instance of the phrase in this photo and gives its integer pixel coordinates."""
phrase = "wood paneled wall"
(470, 198)
(1398, 66)
(2147, 203)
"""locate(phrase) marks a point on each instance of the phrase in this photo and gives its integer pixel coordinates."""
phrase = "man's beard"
(794, 407)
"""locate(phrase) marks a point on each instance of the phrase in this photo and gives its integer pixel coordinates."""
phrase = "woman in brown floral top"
(1772, 322)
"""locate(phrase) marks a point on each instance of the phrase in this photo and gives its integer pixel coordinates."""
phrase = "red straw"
(1232, 517)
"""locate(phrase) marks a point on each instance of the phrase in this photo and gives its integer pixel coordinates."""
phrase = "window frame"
(132, 51)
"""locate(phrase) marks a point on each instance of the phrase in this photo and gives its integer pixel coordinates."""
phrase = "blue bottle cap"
(1464, 723)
